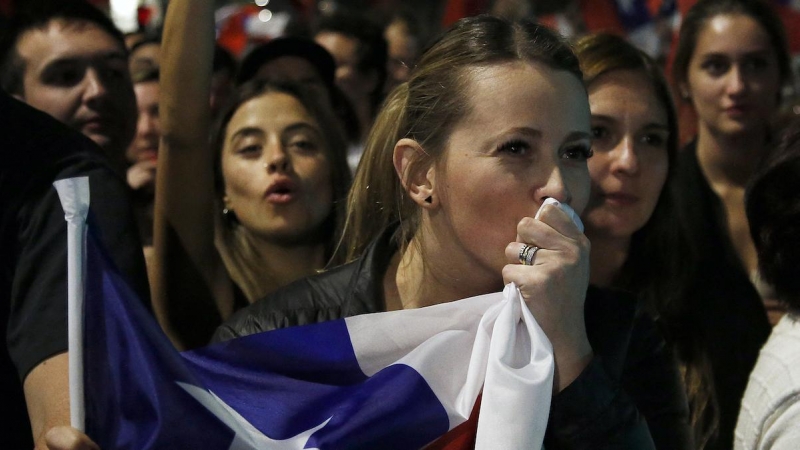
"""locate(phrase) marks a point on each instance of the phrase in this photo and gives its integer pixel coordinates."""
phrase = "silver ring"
(529, 256)
(526, 254)
(523, 252)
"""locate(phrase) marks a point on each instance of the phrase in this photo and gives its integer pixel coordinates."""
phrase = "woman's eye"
(599, 132)
(715, 67)
(305, 145)
(514, 148)
(755, 64)
(578, 152)
(249, 150)
(654, 140)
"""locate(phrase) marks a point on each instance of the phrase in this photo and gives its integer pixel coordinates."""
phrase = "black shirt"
(724, 312)
(37, 150)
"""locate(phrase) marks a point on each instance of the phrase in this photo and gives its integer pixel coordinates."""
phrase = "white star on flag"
(247, 437)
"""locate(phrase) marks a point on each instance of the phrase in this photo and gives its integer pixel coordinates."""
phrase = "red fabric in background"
(6, 6)
(601, 15)
(457, 9)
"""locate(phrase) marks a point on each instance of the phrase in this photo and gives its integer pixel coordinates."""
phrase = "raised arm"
(190, 287)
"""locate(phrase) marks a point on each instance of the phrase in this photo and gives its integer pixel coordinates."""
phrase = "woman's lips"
(621, 199)
(280, 192)
(280, 198)
(737, 110)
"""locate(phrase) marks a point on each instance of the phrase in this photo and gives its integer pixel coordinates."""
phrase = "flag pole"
(74, 196)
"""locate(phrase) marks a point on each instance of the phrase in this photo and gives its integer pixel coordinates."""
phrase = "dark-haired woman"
(493, 121)
(730, 65)
(638, 241)
(264, 191)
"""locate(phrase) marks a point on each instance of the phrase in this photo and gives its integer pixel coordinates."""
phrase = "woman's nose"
(736, 82)
(277, 159)
(625, 159)
(555, 187)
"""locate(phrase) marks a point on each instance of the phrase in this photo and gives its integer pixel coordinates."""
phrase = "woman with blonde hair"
(493, 121)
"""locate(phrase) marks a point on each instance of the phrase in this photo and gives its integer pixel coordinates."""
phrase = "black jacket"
(631, 387)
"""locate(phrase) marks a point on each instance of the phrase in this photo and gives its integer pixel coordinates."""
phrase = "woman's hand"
(67, 438)
(554, 286)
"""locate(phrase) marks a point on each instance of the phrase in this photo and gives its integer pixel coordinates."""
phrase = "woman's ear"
(683, 89)
(226, 202)
(420, 183)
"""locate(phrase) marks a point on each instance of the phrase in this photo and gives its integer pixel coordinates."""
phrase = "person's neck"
(729, 159)
(287, 263)
(607, 257)
(411, 282)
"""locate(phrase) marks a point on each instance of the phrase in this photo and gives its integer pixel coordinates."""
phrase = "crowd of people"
(364, 167)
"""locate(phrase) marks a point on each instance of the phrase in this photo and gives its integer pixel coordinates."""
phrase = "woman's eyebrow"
(246, 132)
(300, 126)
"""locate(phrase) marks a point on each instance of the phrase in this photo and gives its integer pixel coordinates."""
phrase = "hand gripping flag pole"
(74, 196)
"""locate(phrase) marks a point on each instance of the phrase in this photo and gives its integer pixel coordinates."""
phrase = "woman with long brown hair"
(253, 208)
(730, 65)
(639, 241)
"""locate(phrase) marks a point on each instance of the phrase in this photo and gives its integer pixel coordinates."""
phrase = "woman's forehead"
(521, 94)
(272, 109)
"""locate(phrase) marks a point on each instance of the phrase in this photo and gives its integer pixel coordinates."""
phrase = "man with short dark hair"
(67, 59)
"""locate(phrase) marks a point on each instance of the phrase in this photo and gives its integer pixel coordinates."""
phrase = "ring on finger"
(526, 254)
(529, 255)
(523, 251)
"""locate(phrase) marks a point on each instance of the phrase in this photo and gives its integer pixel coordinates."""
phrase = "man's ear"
(420, 184)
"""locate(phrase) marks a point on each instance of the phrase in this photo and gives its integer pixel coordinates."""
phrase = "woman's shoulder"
(348, 290)
(325, 296)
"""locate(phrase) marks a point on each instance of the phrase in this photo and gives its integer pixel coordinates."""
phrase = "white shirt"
(770, 414)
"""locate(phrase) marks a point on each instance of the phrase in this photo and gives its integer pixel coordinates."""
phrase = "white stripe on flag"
(490, 343)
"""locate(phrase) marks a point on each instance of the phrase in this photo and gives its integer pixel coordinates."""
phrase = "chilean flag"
(395, 380)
